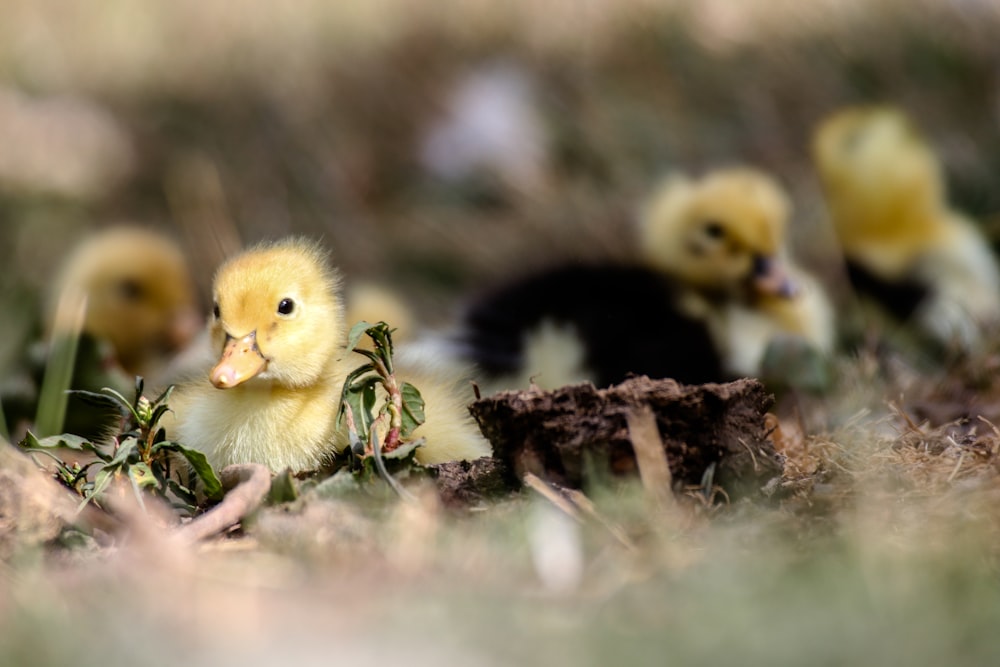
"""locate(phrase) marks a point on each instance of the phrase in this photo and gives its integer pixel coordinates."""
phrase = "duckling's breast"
(263, 423)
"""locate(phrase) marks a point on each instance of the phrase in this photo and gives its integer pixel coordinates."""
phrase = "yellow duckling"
(372, 302)
(904, 247)
(723, 238)
(140, 299)
(715, 289)
(128, 295)
(273, 395)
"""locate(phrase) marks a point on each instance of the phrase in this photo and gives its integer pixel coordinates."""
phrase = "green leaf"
(362, 397)
(158, 413)
(101, 482)
(356, 373)
(283, 488)
(67, 440)
(357, 331)
(134, 483)
(341, 484)
(142, 475)
(209, 479)
(413, 409)
(138, 390)
(404, 451)
(129, 408)
(165, 396)
(182, 492)
(125, 449)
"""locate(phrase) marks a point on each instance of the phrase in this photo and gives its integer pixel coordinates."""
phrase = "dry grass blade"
(650, 456)
(537, 484)
(248, 485)
(577, 505)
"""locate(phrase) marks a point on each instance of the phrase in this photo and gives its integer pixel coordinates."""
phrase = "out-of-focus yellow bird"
(126, 291)
(905, 248)
(714, 290)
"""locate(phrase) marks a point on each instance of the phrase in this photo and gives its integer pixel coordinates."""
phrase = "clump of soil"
(562, 435)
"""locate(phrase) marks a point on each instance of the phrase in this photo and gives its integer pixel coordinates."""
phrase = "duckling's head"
(722, 233)
(277, 316)
(140, 297)
(883, 184)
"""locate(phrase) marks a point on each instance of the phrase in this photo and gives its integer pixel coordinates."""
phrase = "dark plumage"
(901, 298)
(628, 316)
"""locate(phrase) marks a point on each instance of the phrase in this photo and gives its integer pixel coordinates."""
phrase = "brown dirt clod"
(563, 434)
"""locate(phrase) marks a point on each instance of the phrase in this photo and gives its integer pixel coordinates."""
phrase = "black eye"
(714, 229)
(286, 307)
(130, 289)
(215, 310)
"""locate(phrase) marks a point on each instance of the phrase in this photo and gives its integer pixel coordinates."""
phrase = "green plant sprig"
(402, 409)
(140, 453)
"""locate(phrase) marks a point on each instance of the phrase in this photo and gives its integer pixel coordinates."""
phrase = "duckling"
(139, 310)
(713, 291)
(905, 249)
(140, 296)
(368, 301)
(273, 393)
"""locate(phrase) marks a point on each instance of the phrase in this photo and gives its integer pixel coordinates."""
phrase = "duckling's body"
(273, 395)
(133, 290)
(588, 322)
(904, 248)
(711, 295)
(140, 298)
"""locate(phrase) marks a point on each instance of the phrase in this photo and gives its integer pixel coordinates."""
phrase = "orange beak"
(241, 360)
(770, 279)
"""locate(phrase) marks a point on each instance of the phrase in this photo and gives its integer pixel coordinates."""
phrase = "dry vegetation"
(881, 540)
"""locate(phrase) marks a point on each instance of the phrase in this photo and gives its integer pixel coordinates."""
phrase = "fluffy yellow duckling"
(723, 238)
(714, 291)
(140, 299)
(128, 294)
(904, 247)
(272, 396)
(372, 302)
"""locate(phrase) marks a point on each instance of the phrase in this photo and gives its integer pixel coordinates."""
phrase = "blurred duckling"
(368, 301)
(905, 249)
(273, 394)
(134, 301)
(714, 291)
(140, 298)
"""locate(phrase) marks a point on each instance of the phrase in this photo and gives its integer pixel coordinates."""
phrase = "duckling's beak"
(769, 278)
(241, 360)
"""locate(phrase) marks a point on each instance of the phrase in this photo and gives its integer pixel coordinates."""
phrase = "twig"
(650, 455)
(958, 466)
(543, 489)
(248, 484)
(906, 418)
(572, 503)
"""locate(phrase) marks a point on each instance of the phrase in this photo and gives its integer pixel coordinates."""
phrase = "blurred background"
(439, 147)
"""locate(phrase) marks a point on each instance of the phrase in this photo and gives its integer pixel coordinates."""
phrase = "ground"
(879, 541)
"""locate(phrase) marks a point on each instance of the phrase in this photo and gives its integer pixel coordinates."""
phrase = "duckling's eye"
(714, 230)
(130, 289)
(286, 306)
(215, 310)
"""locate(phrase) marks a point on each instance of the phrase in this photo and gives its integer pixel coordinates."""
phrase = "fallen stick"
(246, 487)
